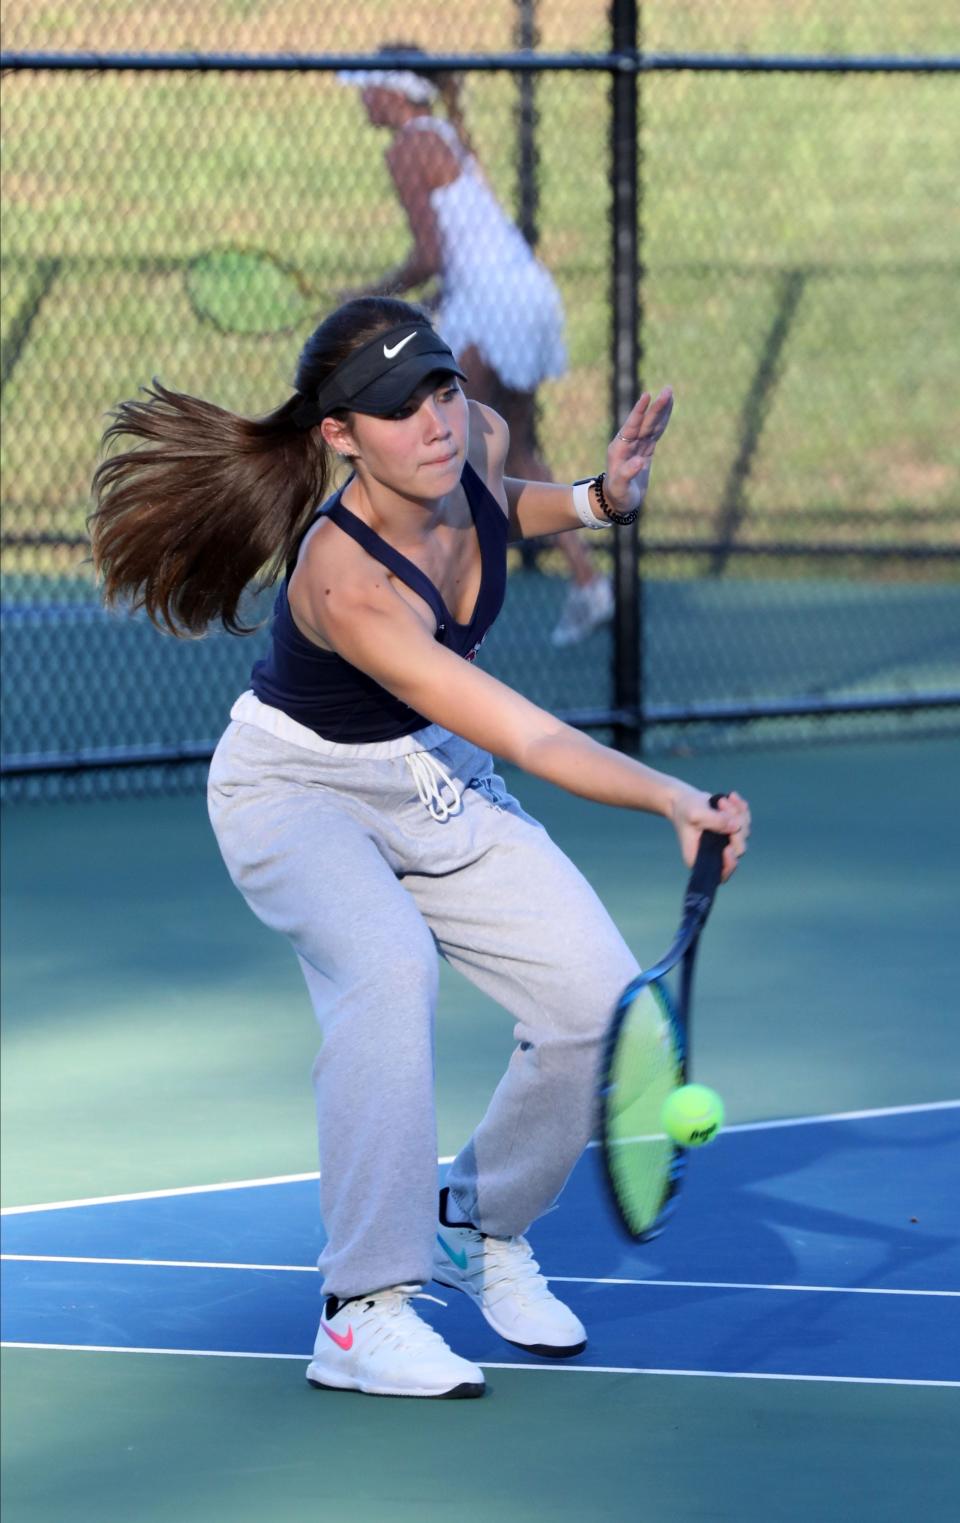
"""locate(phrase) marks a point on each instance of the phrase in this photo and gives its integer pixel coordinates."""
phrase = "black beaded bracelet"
(611, 513)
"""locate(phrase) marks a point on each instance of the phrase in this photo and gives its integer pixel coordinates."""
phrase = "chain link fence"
(796, 271)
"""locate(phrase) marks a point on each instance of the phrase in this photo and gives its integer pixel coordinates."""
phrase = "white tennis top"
(496, 294)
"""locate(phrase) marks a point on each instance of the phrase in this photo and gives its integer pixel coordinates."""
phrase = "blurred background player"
(499, 308)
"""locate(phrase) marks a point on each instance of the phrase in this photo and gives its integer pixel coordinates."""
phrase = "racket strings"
(246, 291)
(647, 1067)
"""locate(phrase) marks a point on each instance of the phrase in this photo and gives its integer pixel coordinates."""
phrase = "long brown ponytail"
(449, 86)
(208, 500)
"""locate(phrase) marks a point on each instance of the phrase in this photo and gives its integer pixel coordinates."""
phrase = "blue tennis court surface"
(824, 1248)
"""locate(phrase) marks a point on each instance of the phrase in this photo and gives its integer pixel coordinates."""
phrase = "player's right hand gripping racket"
(646, 1057)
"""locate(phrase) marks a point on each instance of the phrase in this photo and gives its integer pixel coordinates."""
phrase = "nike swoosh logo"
(342, 1340)
(460, 1259)
(390, 354)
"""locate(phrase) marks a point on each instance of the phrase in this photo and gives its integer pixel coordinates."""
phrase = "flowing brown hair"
(208, 500)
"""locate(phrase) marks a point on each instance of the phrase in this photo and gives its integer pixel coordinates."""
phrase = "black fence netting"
(794, 275)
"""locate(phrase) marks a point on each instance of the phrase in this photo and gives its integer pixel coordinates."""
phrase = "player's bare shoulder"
(333, 582)
(422, 156)
(487, 448)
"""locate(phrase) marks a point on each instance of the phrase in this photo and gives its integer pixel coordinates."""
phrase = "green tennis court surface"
(159, 1039)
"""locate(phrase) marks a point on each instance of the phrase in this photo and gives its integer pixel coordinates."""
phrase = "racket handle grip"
(707, 869)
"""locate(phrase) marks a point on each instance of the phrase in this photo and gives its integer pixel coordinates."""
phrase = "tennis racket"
(646, 1057)
(250, 291)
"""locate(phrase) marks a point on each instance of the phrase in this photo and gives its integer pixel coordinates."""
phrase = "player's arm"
(370, 625)
(487, 447)
(540, 507)
(416, 171)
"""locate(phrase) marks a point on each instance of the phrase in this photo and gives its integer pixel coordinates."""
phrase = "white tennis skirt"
(514, 318)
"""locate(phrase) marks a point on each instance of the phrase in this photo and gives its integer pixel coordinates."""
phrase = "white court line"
(110, 1200)
(830, 1290)
(565, 1279)
(546, 1369)
(285, 1179)
(232, 1184)
(886, 1110)
(67, 1258)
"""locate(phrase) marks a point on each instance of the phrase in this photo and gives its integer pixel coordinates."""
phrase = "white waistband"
(248, 709)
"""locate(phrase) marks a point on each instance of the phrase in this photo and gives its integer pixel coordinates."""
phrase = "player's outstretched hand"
(630, 453)
(691, 815)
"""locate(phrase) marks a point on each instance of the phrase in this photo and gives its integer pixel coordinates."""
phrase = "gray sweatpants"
(336, 849)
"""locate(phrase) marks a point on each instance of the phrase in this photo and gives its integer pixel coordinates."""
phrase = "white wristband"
(583, 508)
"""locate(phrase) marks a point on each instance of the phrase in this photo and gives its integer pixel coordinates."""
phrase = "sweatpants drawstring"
(429, 774)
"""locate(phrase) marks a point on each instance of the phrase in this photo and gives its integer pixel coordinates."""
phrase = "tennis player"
(500, 310)
(355, 802)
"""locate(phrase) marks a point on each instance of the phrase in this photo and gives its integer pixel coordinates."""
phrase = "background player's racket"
(646, 1058)
(250, 291)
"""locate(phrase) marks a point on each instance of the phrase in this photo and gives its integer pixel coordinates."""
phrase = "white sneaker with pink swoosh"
(379, 1345)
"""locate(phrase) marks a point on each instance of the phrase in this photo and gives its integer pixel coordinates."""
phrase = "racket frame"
(256, 256)
(697, 902)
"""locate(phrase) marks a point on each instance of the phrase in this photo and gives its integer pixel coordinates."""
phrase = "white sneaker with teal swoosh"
(501, 1275)
(377, 1344)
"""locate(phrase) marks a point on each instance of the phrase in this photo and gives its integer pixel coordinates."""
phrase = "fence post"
(626, 355)
(527, 36)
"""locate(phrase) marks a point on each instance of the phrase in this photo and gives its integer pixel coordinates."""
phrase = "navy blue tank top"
(320, 689)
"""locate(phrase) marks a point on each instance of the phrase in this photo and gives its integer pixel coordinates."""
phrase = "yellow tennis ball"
(692, 1115)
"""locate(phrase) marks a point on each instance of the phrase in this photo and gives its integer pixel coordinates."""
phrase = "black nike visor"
(382, 375)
